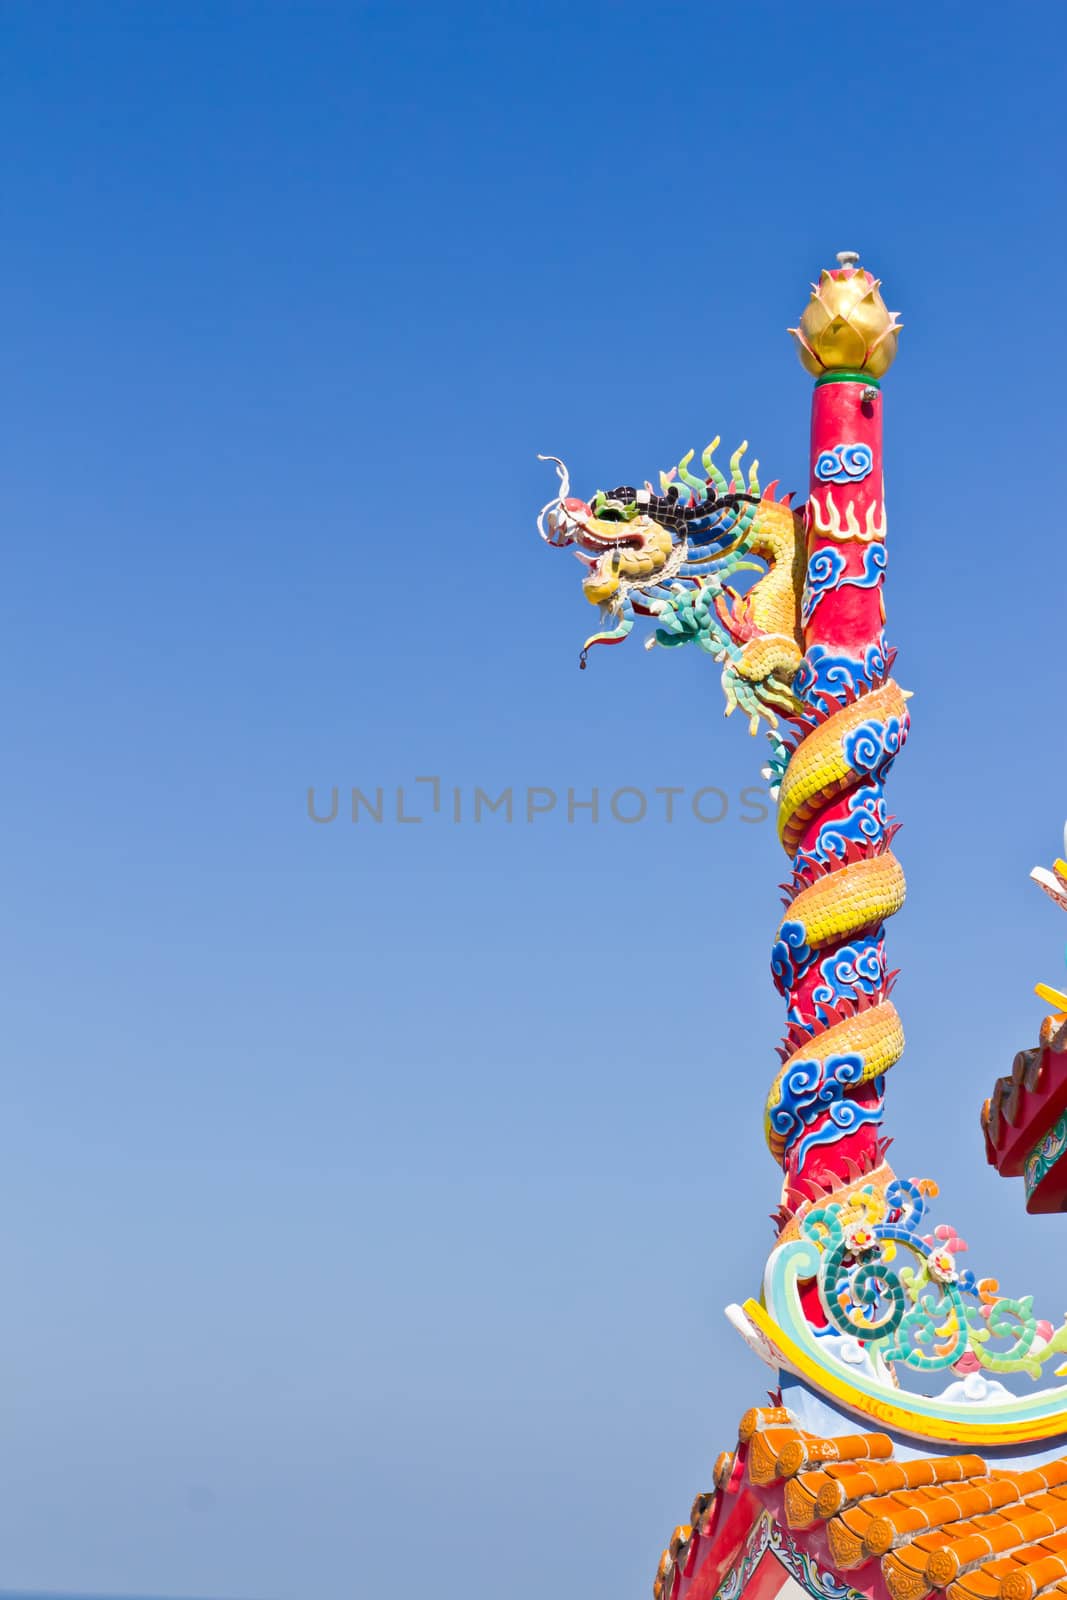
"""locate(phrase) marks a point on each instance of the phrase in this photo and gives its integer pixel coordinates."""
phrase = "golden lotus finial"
(845, 326)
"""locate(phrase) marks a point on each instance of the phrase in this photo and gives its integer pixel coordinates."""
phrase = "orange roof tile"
(940, 1523)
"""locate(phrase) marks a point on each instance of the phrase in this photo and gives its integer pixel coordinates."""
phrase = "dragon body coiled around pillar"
(836, 722)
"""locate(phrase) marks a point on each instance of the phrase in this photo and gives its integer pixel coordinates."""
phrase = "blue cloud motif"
(814, 1089)
(857, 967)
(844, 463)
(826, 572)
(825, 569)
(790, 956)
(873, 746)
(845, 1116)
(867, 819)
(825, 678)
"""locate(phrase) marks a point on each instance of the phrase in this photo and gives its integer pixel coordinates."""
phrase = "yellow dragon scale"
(876, 1034)
(851, 900)
(820, 769)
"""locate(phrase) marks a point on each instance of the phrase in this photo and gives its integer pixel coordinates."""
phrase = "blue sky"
(371, 1193)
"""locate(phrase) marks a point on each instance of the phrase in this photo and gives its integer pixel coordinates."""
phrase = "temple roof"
(949, 1522)
(1007, 1106)
(1021, 1119)
(1025, 1118)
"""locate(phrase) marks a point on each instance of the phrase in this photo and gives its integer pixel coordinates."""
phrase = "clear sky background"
(371, 1192)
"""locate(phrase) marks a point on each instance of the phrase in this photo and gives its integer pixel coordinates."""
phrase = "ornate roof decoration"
(1025, 1118)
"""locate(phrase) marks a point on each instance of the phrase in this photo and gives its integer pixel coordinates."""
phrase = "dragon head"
(642, 549)
(613, 535)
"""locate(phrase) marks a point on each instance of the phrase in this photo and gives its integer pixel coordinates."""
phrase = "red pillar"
(842, 1024)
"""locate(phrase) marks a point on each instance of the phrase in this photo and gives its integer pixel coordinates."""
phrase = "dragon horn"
(712, 470)
(708, 453)
(699, 490)
(665, 480)
(736, 479)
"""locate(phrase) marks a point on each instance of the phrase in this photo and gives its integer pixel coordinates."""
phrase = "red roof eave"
(1026, 1104)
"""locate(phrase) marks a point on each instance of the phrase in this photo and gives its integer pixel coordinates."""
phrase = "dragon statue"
(670, 556)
